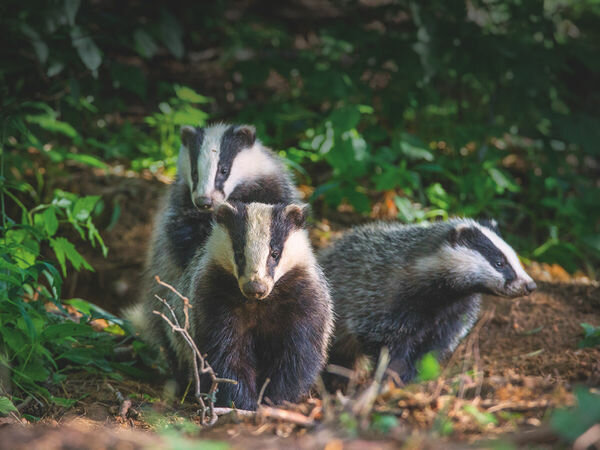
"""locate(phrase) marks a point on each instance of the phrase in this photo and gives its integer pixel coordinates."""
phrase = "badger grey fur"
(260, 305)
(415, 289)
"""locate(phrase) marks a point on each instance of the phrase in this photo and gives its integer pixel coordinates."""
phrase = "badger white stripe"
(249, 164)
(258, 239)
(508, 252)
(208, 160)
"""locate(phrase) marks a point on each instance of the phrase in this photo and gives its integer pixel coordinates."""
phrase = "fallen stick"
(270, 412)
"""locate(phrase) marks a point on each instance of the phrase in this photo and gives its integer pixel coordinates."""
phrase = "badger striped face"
(487, 260)
(216, 159)
(478, 258)
(264, 242)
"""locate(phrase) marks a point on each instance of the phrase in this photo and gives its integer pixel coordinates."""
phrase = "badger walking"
(260, 305)
(415, 289)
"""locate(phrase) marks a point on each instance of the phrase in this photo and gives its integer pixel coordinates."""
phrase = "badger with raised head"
(216, 163)
(415, 289)
(260, 305)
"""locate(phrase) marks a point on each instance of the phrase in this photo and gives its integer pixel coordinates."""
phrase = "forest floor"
(520, 362)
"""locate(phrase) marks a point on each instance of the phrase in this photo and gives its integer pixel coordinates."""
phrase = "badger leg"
(292, 361)
(231, 356)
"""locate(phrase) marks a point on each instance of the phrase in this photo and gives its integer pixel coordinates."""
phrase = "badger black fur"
(415, 289)
(260, 305)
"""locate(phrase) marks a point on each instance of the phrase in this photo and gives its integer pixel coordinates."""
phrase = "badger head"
(479, 257)
(214, 160)
(260, 243)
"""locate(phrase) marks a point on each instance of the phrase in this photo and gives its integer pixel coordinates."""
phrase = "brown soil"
(520, 362)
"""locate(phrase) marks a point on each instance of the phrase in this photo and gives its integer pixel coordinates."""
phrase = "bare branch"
(208, 413)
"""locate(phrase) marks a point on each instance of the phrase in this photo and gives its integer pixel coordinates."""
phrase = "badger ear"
(247, 133)
(297, 214)
(456, 234)
(187, 134)
(491, 224)
(224, 213)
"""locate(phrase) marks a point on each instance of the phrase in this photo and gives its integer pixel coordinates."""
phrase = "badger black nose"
(203, 202)
(254, 289)
(531, 286)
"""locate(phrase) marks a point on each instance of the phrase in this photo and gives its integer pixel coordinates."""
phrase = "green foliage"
(6, 406)
(383, 423)
(428, 368)
(482, 418)
(39, 344)
(571, 423)
(477, 109)
(591, 336)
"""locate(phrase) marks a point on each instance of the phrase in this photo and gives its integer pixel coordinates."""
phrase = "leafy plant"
(591, 336)
(571, 423)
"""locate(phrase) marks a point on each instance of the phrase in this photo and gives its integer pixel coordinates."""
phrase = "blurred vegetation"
(476, 108)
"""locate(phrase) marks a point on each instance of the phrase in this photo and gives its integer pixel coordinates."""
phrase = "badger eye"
(223, 171)
(499, 263)
(275, 254)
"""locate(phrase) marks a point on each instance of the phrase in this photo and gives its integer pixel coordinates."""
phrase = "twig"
(285, 415)
(200, 365)
(262, 391)
(24, 404)
(125, 402)
(271, 413)
(364, 403)
(588, 439)
(219, 411)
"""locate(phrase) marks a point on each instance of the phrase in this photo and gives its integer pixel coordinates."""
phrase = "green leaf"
(384, 423)
(591, 336)
(572, 422)
(50, 221)
(483, 418)
(35, 370)
(84, 206)
(189, 95)
(413, 148)
(144, 44)
(67, 329)
(64, 250)
(86, 48)
(64, 402)
(71, 8)
(345, 118)
(172, 34)
(428, 368)
(89, 160)
(39, 46)
(503, 182)
(49, 123)
(6, 406)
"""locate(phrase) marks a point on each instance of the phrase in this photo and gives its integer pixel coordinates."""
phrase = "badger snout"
(530, 287)
(255, 290)
(520, 287)
(202, 202)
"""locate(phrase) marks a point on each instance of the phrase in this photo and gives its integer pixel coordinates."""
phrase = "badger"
(414, 289)
(260, 306)
(215, 163)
